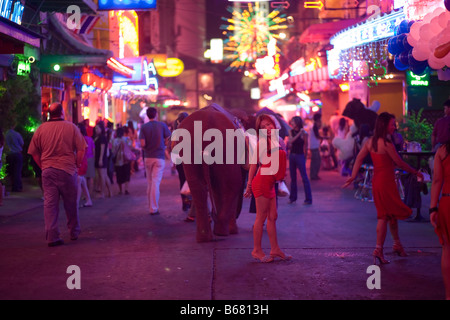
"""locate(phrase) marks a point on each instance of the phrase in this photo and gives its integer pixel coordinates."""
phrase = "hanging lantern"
(87, 78)
(95, 81)
(102, 84)
(109, 84)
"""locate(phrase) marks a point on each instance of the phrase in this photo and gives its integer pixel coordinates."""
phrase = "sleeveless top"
(297, 145)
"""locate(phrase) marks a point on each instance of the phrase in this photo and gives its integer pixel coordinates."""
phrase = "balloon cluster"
(430, 38)
(403, 50)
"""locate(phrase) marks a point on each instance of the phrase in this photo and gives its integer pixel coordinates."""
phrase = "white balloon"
(438, 11)
(443, 37)
(435, 26)
(433, 43)
(436, 63)
(421, 52)
(443, 19)
(415, 29)
(411, 40)
(425, 32)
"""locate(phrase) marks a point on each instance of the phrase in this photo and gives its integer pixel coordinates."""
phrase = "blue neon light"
(126, 4)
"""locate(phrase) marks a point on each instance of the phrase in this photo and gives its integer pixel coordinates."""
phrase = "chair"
(364, 189)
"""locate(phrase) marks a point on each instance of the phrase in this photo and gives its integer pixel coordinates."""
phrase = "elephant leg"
(226, 196)
(197, 185)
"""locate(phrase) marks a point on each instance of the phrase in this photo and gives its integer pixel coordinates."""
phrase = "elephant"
(358, 112)
(223, 182)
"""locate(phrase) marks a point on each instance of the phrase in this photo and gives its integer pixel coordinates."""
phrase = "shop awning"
(13, 36)
(86, 6)
(68, 48)
(314, 81)
(322, 32)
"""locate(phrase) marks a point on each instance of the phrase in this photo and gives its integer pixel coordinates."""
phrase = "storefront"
(75, 73)
(359, 61)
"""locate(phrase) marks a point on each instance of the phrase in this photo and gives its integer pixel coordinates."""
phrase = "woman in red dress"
(440, 215)
(388, 203)
(261, 181)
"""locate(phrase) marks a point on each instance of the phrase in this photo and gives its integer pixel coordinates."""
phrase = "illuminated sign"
(370, 31)
(11, 10)
(418, 81)
(126, 4)
(216, 50)
(23, 68)
(144, 77)
(172, 68)
(313, 4)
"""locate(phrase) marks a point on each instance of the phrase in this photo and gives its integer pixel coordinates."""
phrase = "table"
(419, 155)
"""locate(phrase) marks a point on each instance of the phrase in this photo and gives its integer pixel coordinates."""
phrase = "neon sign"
(15, 15)
(126, 5)
(23, 67)
(144, 77)
(370, 31)
(418, 81)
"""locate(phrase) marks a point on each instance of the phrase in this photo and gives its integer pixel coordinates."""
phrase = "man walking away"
(58, 148)
(153, 137)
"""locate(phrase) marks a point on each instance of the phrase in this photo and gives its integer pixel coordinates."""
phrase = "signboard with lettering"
(12, 10)
(126, 5)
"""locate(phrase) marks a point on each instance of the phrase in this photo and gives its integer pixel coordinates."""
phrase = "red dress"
(384, 189)
(264, 185)
(443, 223)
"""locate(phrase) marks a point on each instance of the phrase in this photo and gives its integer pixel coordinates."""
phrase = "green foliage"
(414, 128)
(19, 102)
(19, 107)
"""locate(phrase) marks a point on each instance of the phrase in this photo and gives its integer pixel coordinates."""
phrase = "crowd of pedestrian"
(89, 162)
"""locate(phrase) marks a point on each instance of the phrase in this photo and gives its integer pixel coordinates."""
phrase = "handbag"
(283, 190)
(185, 189)
(128, 154)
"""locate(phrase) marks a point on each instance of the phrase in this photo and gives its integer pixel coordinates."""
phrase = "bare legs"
(381, 237)
(445, 268)
(104, 183)
(266, 209)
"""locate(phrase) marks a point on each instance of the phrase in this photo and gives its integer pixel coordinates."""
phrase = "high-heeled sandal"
(284, 257)
(398, 249)
(378, 255)
(265, 259)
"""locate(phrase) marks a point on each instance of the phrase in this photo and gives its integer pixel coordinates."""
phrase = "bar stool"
(398, 181)
(364, 190)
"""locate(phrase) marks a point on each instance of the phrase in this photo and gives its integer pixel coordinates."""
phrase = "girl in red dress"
(388, 203)
(262, 185)
(440, 215)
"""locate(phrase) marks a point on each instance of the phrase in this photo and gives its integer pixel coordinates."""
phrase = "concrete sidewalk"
(20, 202)
(124, 253)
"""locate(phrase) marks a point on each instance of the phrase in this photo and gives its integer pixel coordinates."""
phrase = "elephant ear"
(228, 114)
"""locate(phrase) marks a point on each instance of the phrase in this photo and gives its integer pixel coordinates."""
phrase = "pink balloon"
(411, 40)
(421, 52)
(425, 32)
(436, 63)
(443, 19)
(415, 29)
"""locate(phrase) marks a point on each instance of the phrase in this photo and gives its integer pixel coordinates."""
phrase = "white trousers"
(154, 169)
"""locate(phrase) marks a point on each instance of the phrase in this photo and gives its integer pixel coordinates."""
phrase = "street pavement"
(124, 253)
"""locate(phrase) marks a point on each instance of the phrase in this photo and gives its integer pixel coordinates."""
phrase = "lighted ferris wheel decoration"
(249, 32)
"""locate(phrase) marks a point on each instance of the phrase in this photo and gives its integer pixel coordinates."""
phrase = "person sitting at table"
(440, 133)
(388, 203)
(440, 214)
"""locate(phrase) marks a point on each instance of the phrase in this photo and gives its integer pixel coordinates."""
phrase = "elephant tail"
(206, 174)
